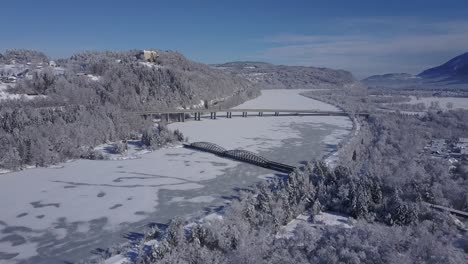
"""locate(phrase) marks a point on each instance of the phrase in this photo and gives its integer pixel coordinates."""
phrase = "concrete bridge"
(181, 115)
(240, 155)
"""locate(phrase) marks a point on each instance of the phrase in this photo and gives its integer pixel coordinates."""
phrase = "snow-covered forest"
(380, 182)
(89, 102)
(383, 182)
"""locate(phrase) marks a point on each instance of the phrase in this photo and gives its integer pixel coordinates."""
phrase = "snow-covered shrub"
(179, 136)
(119, 148)
(160, 136)
(92, 154)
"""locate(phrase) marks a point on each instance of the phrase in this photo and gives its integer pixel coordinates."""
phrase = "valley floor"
(59, 214)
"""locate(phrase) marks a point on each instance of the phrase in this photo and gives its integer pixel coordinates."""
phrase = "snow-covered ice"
(286, 99)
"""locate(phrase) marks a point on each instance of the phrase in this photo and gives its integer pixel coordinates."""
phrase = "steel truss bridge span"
(241, 155)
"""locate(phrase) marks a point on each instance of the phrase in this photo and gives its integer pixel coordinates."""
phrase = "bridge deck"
(189, 111)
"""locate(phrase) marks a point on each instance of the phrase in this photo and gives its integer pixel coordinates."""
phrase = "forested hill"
(23, 56)
(170, 81)
(85, 100)
(269, 76)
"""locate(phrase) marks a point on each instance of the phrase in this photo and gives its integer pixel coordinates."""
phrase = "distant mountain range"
(453, 72)
(268, 76)
(456, 68)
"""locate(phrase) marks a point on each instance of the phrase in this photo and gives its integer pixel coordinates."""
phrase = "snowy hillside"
(269, 76)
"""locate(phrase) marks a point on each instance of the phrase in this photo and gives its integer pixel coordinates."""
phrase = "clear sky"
(366, 37)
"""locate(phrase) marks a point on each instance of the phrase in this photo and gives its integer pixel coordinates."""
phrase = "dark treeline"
(89, 103)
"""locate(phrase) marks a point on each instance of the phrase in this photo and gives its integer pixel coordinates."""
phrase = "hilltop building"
(148, 55)
(438, 146)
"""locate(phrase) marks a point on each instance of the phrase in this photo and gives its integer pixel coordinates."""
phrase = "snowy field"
(60, 214)
(4, 95)
(319, 221)
(458, 102)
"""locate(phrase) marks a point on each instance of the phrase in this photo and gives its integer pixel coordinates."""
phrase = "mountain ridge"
(452, 72)
(270, 76)
(454, 68)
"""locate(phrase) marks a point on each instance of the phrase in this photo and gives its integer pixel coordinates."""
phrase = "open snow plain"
(457, 102)
(62, 214)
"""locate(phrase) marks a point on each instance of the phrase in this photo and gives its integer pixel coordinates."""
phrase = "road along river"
(61, 214)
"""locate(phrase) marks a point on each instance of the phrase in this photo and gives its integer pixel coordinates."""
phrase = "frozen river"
(59, 215)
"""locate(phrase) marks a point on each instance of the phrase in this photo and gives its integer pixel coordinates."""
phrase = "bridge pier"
(197, 116)
(181, 117)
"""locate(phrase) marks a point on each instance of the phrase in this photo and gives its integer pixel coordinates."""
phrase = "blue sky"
(365, 37)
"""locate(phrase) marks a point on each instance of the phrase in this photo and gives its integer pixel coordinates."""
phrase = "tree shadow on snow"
(134, 236)
(160, 226)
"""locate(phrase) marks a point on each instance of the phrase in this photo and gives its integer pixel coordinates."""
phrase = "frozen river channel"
(61, 214)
